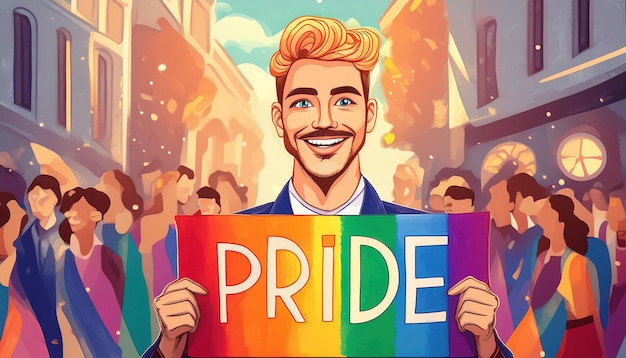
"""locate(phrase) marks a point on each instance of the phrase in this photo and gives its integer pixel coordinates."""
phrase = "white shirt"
(351, 207)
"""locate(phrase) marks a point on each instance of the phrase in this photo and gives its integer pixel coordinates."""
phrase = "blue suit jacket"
(372, 205)
(43, 305)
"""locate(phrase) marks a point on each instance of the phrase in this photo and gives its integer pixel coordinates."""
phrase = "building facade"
(63, 107)
(542, 83)
(190, 103)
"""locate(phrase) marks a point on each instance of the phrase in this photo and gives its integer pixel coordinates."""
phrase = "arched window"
(102, 86)
(487, 82)
(64, 79)
(581, 26)
(519, 153)
(24, 30)
(581, 156)
(535, 36)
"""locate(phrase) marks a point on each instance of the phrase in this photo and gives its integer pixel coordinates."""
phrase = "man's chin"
(325, 170)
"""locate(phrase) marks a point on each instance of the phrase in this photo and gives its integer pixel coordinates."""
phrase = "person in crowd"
(93, 275)
(599, 197)
(499, 206)
(563, 319)
(125, 209)
(157, 231)
(208, 201)
(21, 334)
(519, 255)
(184, 186)
(458, 199)
(36, 263)
(615, 331)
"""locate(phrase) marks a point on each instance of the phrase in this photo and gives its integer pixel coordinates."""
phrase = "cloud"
(223, 7)
(352, 23)
(244, 32)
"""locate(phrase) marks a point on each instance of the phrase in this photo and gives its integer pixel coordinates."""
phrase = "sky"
(250, 31)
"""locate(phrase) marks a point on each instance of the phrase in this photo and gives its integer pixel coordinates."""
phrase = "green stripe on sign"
(375, 337)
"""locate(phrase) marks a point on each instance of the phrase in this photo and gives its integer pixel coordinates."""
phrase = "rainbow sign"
(331, 285)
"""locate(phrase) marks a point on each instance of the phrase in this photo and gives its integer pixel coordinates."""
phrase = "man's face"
(324, 117)
(596, 197)
(42, 202)
(208, 206)
(453, 206)
(499, 205)
(616, 213)
(82, 214)
(184, 188)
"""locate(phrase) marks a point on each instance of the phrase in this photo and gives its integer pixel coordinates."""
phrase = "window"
(22, 60)
(581, 156)
(200, 23)
(487, 85)
(519, 153)
(89, 10)
(581, 26)
(103, 97)
(64, 79)
(535, 36)
(115, 20)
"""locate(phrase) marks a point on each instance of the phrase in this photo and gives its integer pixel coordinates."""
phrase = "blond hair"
(320, 38)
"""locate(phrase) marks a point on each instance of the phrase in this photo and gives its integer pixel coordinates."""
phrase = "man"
(208, 201)
(523, 238)
(599, 197)
(458, 199)
(323, 114)
(184, 184)
(500, 207)
(36, 263)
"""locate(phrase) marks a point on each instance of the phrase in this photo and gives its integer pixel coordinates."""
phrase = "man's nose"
(325, 120)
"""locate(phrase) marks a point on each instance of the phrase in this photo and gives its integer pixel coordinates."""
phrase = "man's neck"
(47, 223)
(338, 193)
(521, 221)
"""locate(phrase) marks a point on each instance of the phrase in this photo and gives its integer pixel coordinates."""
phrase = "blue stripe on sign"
(423, 331)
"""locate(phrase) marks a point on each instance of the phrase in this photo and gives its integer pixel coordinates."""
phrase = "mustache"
(326, 133)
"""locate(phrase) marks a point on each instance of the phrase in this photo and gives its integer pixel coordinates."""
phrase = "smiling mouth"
(324, 143)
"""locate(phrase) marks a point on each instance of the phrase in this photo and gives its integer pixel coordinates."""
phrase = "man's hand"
(476, 313)
(178, 313)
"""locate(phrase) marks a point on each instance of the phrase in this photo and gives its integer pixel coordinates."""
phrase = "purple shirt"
(100, 289)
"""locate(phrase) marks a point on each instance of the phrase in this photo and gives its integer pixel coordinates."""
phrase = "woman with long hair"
(124, 212)
(563, 319)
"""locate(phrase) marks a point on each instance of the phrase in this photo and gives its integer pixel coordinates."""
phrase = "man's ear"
(277, 119)
(372, 113)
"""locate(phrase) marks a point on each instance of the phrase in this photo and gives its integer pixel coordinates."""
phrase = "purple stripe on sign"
(468, 255)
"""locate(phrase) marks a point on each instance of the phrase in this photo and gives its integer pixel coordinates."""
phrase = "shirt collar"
(351, 207)
(514, 222)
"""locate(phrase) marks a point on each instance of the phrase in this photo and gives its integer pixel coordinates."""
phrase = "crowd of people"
(557, 264)
(79, 269)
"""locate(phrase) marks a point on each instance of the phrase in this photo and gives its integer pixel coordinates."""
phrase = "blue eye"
(344, 102)
(303, 103)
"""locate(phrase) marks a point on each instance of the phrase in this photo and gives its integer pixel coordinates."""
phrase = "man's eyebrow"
(345, 89)
(302, 90)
